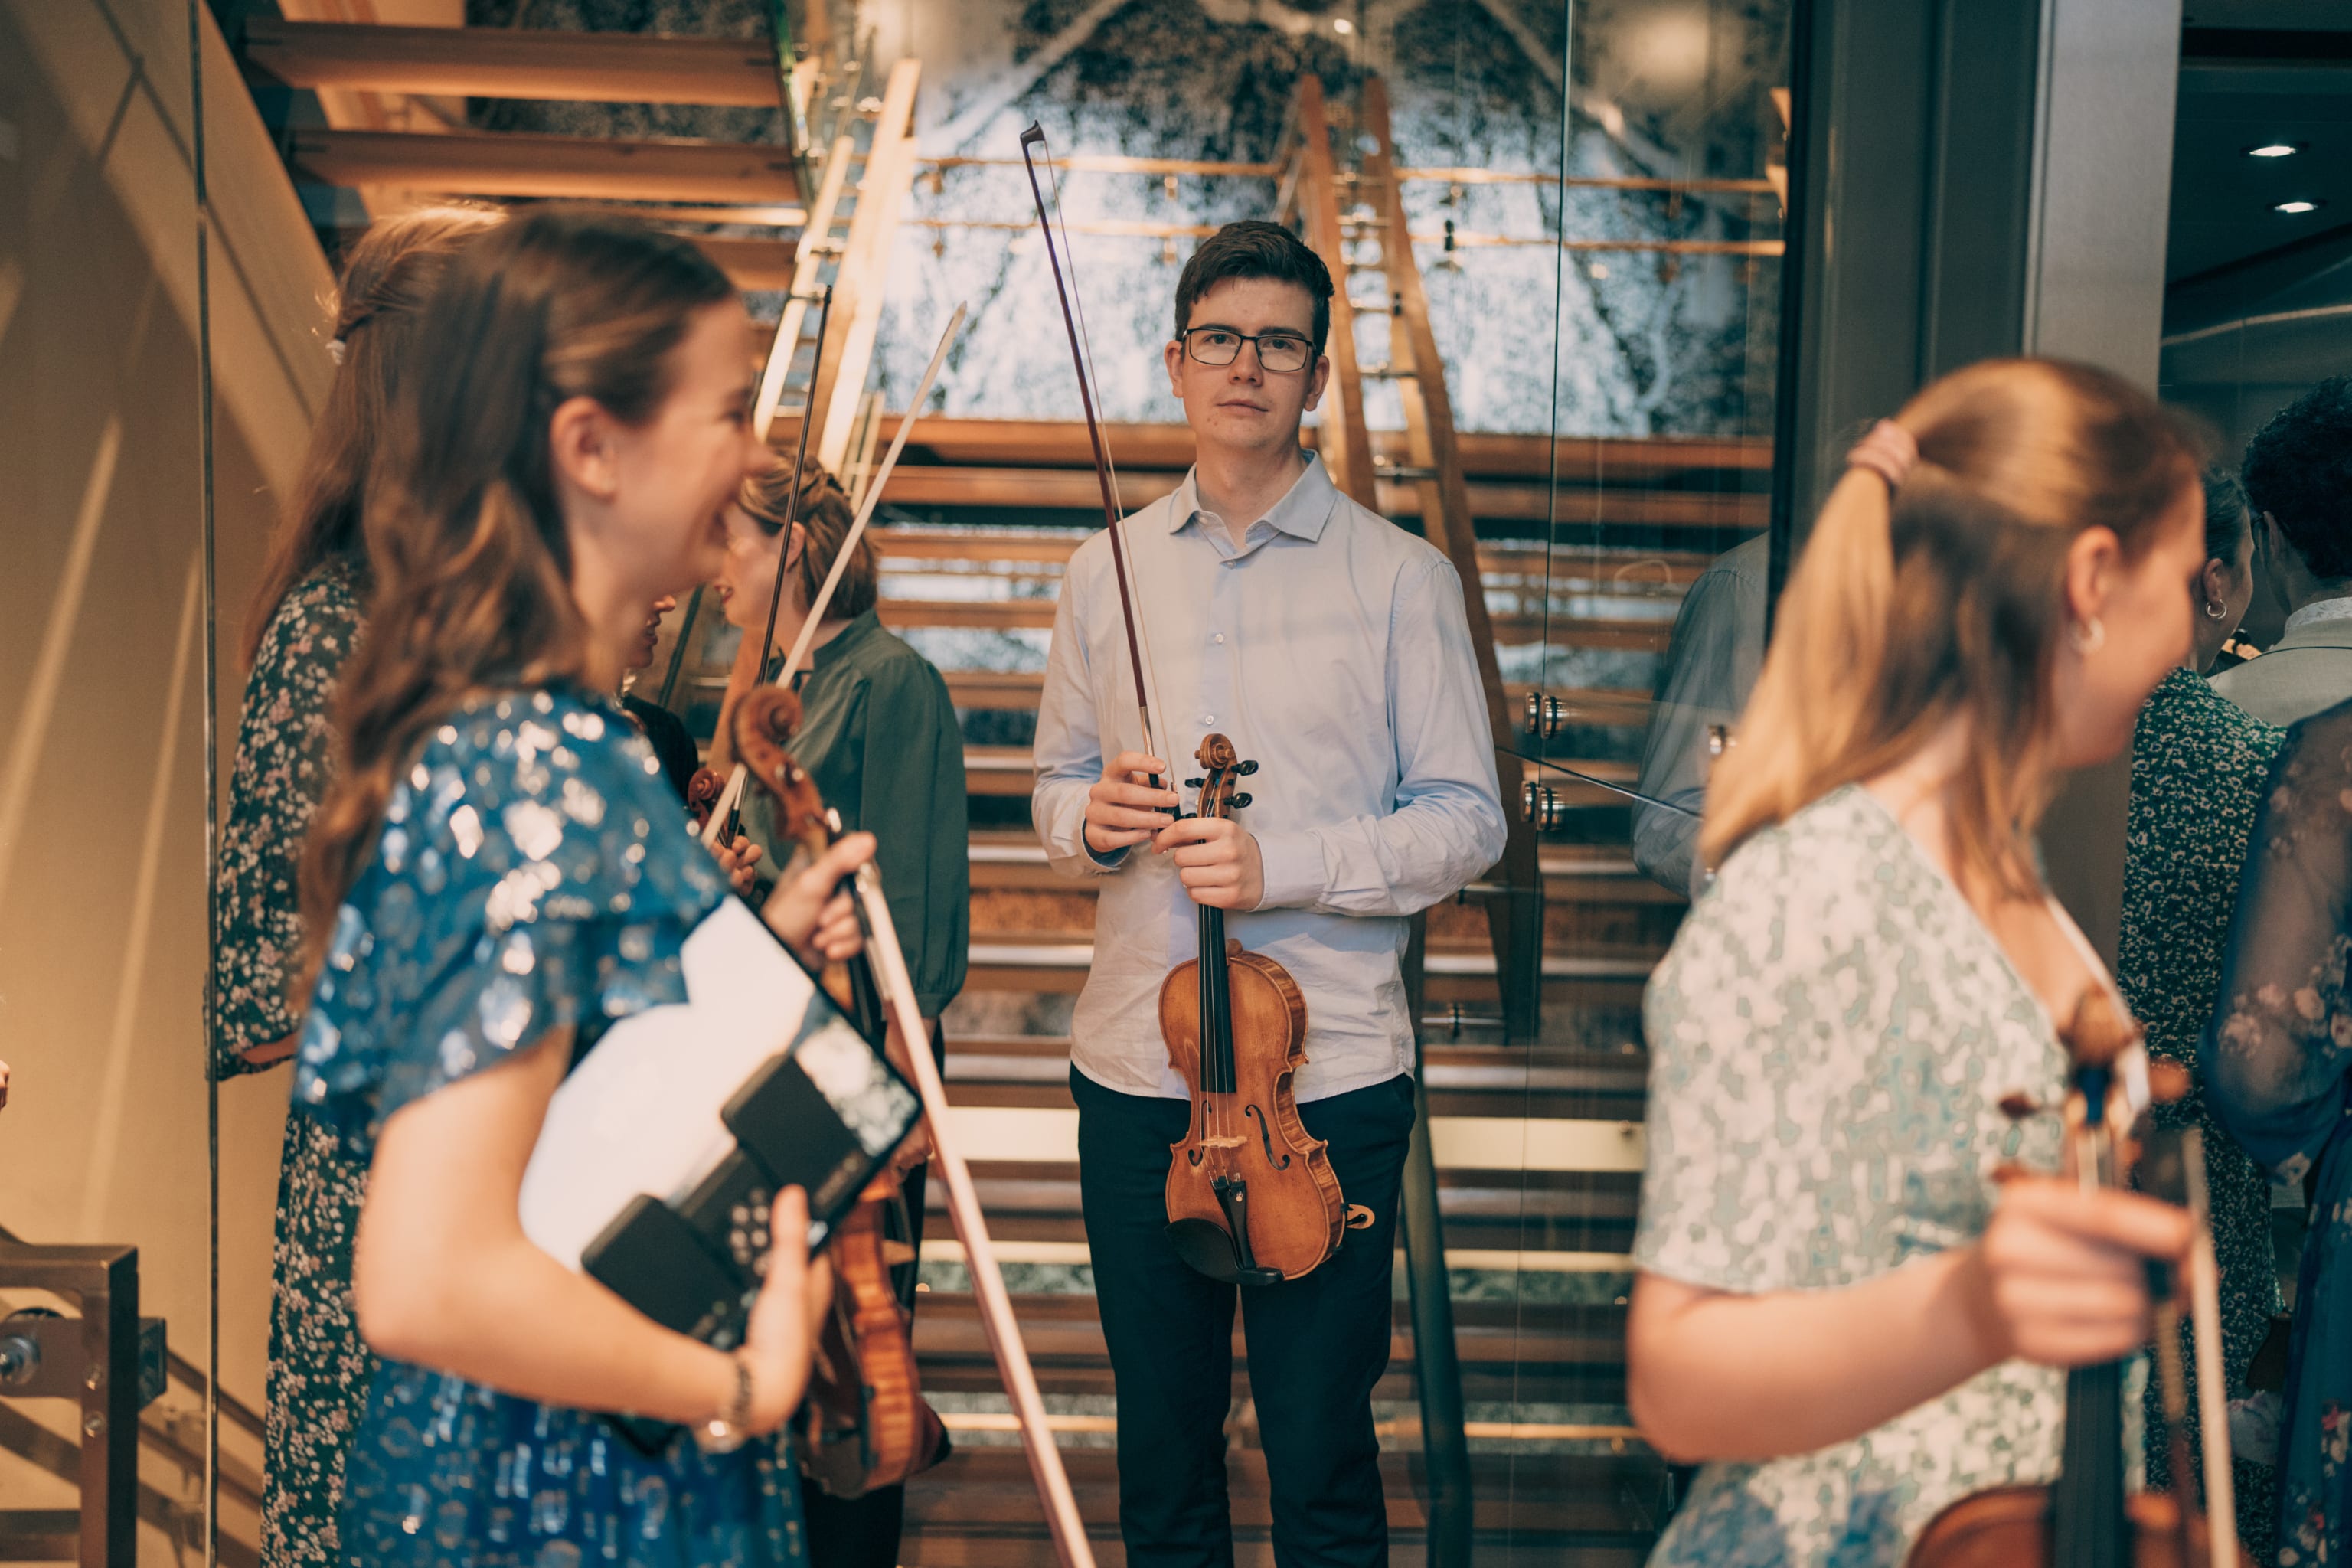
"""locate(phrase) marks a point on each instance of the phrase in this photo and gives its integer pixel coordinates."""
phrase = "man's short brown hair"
(1252, 249)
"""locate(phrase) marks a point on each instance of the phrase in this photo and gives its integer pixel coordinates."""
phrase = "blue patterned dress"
(534, 872)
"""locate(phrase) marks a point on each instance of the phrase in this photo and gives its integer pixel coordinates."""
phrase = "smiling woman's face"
(1242, 406)
(747, 578)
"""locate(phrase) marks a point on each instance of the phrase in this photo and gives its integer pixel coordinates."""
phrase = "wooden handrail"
(1516, 920)
(857, 288)
(1346, 441)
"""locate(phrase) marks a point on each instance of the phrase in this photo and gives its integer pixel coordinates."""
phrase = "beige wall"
(102, 621)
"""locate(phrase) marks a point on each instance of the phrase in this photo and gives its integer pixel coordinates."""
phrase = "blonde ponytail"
(1832, 617)
(1936, 592)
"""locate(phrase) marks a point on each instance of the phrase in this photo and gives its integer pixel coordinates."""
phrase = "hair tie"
(1889, 451)
(335, 347)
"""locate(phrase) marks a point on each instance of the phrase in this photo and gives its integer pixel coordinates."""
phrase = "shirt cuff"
(1111, 862)
(1291, 864)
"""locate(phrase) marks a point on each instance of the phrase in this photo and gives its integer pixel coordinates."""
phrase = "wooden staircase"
(1580, 549)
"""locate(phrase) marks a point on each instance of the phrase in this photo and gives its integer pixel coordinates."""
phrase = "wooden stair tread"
(516, 163)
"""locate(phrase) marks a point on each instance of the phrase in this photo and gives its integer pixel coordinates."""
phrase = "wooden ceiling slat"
(487, 163)
(753, 264)
(1583, 459)
(504, 62)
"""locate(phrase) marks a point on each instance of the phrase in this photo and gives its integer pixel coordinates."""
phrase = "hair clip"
(1889, 451)
(335, 347)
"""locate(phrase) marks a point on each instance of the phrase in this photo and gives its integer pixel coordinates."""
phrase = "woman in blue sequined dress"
(498, 871)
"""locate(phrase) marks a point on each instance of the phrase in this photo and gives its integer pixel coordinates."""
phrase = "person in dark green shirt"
(877, 729)
(879, 736)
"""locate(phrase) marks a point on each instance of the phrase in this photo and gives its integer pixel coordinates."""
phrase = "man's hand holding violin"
(1216, 857)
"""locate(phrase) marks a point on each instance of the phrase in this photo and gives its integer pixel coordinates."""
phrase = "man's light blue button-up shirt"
(1332, 648)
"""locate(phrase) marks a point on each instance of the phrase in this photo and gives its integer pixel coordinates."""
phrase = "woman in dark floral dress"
(2198, 765)
(307, 615)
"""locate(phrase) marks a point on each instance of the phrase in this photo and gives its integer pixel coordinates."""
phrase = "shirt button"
(1208, 718)
(1221, 636)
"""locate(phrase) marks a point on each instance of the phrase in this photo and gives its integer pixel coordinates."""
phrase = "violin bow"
(1065, 267)
(2212, 1378)
(1070, 1544)
(729, 805)
(723, 831)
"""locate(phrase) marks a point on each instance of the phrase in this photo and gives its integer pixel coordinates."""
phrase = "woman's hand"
(815, 920)
(737, 859)
(780, 1341)
(2059, 1277)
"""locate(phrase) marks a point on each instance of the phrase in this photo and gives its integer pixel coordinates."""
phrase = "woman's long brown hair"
(386, 280)
(463, 523)
(1946, 600)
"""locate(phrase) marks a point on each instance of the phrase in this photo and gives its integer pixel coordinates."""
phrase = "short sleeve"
(1732, 1190)
(533, 873)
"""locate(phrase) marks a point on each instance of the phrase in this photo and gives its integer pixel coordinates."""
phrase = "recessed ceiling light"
(1341, 26)
(2274, 150)
(2297, 206)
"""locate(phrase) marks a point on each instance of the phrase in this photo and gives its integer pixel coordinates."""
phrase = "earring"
(2088, 637)
(2215, 609)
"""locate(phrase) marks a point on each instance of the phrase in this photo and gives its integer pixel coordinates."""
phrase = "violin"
(865, 1423)
(1251, 1198)
(2084, 1518)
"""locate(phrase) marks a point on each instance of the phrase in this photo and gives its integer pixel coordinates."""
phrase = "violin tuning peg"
(1194, 783)
(1248, 768)
(1240, 801)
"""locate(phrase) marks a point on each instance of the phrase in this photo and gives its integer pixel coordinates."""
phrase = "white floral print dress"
(1829, 1038)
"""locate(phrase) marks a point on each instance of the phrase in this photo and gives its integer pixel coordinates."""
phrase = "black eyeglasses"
(1278, 354)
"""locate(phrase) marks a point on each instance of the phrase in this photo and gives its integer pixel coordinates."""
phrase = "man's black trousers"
(1316, 1345)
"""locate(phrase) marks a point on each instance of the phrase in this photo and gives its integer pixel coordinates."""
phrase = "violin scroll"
(1221, 764)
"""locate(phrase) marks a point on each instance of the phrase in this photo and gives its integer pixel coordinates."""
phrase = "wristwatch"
(726, 1432)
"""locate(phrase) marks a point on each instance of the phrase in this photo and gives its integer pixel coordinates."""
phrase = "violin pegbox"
(1221, 764)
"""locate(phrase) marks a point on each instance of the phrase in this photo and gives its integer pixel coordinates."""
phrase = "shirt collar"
(860, 627)
(863, 625)
(1301, 512)
(2325, 610)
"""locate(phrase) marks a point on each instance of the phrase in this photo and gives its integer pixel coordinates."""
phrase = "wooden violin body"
(1251, 1198)
(2085, 1519)
(866, 1423)
(1293, 1213)
(2015, 1527)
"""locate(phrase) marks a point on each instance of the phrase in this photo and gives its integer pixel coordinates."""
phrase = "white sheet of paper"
(640, 1114)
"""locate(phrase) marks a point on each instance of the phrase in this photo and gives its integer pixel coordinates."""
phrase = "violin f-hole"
(1265, 1136)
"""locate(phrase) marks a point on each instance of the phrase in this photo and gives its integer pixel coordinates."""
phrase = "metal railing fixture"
(94, 1359)
(45, 1356)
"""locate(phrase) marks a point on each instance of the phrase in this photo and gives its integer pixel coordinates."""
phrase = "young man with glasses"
(1332, 647)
